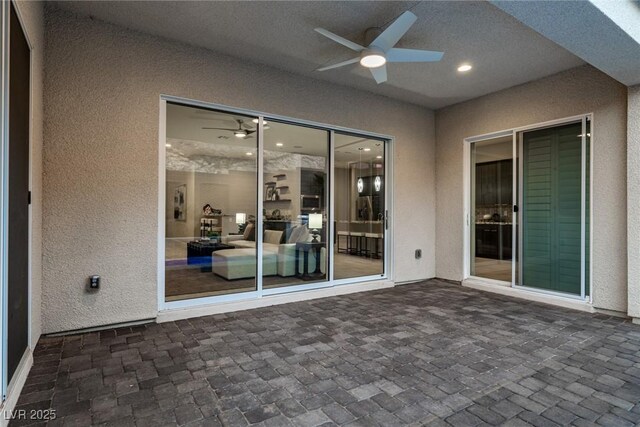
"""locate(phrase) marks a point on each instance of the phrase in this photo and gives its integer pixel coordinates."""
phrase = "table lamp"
(315, 223)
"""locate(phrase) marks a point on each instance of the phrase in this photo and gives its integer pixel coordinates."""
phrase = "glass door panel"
(552, 208)
(360, 206)
(295, 205)
(211, 195)
(492, 196)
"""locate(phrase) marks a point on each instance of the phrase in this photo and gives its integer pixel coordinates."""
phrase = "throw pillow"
(252, 234)
(272, 236)
(304, 234)
(247, 231)
(295, 233)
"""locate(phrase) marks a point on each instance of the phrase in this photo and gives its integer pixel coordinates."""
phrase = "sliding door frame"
(5, 22)
(467, 192)
(388, 141)
(5, 10)
(516, 275)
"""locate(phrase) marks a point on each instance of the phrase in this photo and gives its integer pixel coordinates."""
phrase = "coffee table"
(199, 253)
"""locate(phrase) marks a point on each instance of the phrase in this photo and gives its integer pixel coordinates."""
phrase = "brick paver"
(431, 353)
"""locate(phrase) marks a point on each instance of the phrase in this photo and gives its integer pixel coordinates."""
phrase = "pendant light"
(360, 182)
(377, 183)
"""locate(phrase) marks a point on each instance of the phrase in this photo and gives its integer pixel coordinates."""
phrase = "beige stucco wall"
(577, 91)
(32, 17)
(101, 158)
(633, 194)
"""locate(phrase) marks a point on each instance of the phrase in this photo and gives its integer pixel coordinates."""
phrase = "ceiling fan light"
(372, 58)
(240, 133)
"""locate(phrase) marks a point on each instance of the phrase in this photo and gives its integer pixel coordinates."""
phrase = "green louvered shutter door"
(552, 165)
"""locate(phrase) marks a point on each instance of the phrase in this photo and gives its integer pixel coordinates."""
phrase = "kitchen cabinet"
(505, 187)
(487, 240)
(506, 236)
(486, 184)
(494, 183)
(494, 241)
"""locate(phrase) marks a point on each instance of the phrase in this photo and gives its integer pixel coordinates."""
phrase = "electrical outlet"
(94, 282)
(418, 253)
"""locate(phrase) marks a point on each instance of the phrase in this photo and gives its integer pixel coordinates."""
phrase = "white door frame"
(259, 292)
(516, 134)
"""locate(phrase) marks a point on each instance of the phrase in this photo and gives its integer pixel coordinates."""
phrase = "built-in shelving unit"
(277, 201)
(280, 186)
(210, 224)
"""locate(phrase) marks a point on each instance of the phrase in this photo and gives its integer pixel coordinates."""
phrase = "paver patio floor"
(431, 353)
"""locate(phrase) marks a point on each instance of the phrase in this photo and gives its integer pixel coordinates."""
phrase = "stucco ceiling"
(503, 51)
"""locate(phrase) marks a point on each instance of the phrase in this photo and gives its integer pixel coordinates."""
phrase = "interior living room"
(211, 209)
(319, 213)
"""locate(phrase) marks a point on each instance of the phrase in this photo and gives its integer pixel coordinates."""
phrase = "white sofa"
(285, 254)
(241, 263)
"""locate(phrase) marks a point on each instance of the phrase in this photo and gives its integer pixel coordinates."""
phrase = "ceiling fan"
(381, 50)
(242, 131)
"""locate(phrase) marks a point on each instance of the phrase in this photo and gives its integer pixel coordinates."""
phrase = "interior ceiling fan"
(381, 50)
(242, 131)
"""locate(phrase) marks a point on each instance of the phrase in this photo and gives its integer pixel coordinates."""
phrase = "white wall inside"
(102, 99)
(232, 193)
(577, 91)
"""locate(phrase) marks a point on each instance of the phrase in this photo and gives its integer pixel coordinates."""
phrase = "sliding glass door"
(554, 199)
(492, 199)
(256, 205)
(295, 205)
(529, 208)
(360, 206)
(211, 171)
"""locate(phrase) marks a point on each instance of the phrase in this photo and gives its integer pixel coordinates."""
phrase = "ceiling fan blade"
(230, 130)
(413, 55)
(339, 64)
(336, 38)
(395, 31)
(379, 73)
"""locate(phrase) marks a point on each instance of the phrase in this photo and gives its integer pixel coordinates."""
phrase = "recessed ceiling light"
(367, 149)
(167, 145)
(464, 68)
(279, 144)
(249, 153)
(258, 121)
(378, 157)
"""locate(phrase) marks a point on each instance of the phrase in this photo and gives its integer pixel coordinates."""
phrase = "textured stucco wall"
(32, 14)
(633, 194)
(102, 92)
(577, 91)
